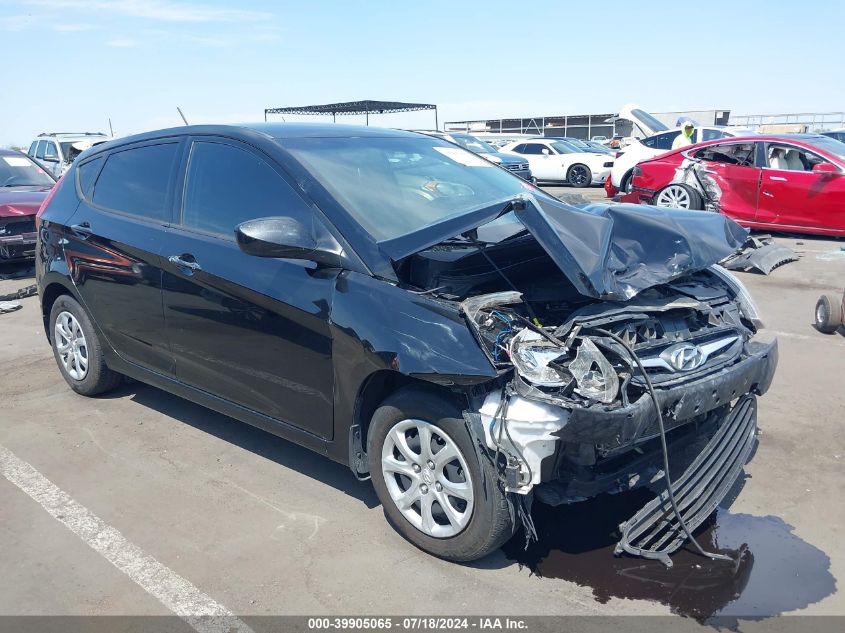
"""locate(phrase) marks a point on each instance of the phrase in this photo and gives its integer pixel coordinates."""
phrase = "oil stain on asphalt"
(774, 571)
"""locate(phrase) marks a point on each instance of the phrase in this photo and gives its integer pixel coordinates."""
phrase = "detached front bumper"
(575, 453)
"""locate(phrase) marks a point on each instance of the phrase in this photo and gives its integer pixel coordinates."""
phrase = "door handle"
(778, 178)
(187, 265)
(82, 230)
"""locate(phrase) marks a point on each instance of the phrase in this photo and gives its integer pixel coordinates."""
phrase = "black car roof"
(268, 130)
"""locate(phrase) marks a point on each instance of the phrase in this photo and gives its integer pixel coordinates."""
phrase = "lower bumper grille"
(654, 532)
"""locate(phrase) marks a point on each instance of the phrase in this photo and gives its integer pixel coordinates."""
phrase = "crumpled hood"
(21, 202)
(615, 251)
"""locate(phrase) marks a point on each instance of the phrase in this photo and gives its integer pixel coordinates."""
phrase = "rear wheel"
(828, 314)
(678, 196)
(579, 175)
(77, 349)
(434, 489)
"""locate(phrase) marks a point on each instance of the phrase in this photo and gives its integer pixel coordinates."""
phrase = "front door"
(251, 330)
(792, 195)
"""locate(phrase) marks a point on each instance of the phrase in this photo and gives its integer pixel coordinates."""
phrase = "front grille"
(16, 226)
(517, 167)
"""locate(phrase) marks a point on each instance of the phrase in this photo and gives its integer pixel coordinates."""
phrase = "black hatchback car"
(405, 307)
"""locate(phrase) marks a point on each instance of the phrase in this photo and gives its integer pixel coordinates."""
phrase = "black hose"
(671, 494)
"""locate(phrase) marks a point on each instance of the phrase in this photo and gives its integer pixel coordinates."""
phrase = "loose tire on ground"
(489, 523)
(828, 314)
(77, 349)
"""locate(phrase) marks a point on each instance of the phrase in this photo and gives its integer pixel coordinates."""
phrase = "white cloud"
(160, 10)
(122, 42)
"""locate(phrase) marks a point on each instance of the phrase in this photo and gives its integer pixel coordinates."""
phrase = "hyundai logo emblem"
(684, 357)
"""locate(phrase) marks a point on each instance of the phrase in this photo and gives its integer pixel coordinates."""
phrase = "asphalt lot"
(265, 527)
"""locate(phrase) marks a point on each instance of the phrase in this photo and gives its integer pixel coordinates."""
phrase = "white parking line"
(200, 611)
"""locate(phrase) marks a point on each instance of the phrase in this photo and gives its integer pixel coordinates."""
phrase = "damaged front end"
(572, 415)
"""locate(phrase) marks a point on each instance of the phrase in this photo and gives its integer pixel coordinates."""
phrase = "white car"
(55, 151)
(555, 161)
(659, 139)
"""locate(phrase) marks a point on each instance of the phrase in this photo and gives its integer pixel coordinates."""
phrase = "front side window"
(388, 198)
(790, 158)
(225, 186)
(135, 181)
(534, 148)
(741, 154)
(50, 152)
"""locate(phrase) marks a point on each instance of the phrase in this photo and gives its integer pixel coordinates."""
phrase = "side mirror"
(546, 151)
(288, 238)
(825, 168)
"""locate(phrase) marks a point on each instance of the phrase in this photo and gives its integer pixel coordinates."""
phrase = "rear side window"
(135, 181)
(661, 141)
(741, 154)
(226, 185)
(32, 147)
(87, 173)
(519, 149)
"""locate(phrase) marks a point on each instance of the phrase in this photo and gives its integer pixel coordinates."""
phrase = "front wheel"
(427, 474)
(579, 176)
(679, 196)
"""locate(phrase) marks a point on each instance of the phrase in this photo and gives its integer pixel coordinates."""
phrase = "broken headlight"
(543, 363)
(743, 298)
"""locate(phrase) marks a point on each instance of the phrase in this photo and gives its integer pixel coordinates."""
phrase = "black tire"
(696, 203)
(490, 524)
(579, 175)
(625, 182)
(828, 314)
(98, 378)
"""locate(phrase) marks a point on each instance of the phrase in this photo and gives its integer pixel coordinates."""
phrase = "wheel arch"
(51, 291)
(373, 392)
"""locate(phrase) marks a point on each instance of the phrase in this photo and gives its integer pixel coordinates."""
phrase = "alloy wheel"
(71, 345)
(673, 196)
(427, 478)
(579, 175)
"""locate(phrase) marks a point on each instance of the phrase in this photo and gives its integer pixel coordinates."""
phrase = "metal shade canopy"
(365, 107)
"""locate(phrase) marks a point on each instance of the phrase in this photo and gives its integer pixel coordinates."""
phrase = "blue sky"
(72, 64)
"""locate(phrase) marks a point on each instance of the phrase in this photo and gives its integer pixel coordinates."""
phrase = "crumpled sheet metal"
(615, 251)
(761, 254)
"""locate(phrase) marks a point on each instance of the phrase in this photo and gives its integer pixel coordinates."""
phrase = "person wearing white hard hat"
(685, 137)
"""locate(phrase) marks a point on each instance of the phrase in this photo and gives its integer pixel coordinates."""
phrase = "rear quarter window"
(135, 181)
(87, 172)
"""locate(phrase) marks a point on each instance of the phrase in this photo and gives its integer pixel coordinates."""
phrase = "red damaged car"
(23, 187)
(792, 182)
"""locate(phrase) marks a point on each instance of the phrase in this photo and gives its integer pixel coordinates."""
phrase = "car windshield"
(393, 186)
(562, 147)
(17, 170)
(830, 145)
(467, 141)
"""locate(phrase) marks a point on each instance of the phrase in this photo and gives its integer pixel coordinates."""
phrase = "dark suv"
(405, 307)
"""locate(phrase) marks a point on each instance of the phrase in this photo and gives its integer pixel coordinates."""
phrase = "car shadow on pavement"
(249, 438)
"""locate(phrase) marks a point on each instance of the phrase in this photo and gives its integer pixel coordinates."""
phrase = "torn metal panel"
(760, 253)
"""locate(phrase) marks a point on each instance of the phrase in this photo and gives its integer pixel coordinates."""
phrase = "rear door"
(113, 246)
(799, 197)
(729, 175)
(251, 330)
